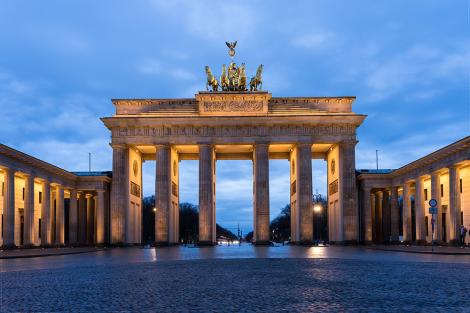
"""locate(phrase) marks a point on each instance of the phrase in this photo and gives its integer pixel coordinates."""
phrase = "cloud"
(212, 20)
(313, 40)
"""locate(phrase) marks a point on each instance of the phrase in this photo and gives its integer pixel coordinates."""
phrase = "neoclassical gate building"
(233, 125)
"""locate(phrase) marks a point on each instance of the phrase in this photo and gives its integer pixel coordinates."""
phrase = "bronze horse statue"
(242, 78)
(224, 79)
(211, 80)
(257, 80)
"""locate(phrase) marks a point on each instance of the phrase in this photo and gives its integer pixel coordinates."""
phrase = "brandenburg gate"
(233, 123)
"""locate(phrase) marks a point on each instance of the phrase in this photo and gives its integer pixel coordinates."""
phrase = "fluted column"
(9, 209)
(46, 220)
(419, 211)
(305, 194)
(119, 193)
(373, 201)
(386, 230)
(348, 190)
(59, 216)
(82, 203)
(261, 193)
(90, 220)
(407, 236)
(162, 194)
(379, 217)
(73, 217)
(394, 215)
(367, 210)
(454, 204)
(436, 194)
(207, 226)
(100, 217)
(28, 210)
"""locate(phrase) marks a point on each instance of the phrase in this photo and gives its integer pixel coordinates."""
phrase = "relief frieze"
(235, 131)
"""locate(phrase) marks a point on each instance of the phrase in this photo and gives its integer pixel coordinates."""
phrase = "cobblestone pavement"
(242, 285)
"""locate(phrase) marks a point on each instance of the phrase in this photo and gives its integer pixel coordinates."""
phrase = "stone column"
(99, 229)
(419, 211)
(119, 193)
(261, 193)
(73, 218)
(59, 216)
(436, 194)
(379, 217)
(28, 210)
(407, 236)
(46, 221)
(348, 190)
(82, 218)
(373, 201)
(162, 195)
(386, 230)
(394, 215)
(366, 209)
(207, 226)
(305, 193)
(454, 204)
(9, 209)
(90, 207)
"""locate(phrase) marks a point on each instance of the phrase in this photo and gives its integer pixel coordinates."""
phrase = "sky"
(407, 62)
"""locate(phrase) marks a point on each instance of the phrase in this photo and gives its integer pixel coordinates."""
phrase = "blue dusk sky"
(407, 62)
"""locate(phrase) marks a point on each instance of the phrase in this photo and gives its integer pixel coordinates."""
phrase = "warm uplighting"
(317, 208)
(154, 209)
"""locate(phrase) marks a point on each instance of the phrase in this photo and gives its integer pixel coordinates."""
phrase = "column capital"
(304, 144)
(118, 145)
(100, 190)
(348, 142)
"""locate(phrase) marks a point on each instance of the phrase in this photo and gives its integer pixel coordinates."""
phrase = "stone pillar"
(419, 211)
(261, 193)
(46, 221)
(407, 236)
(59, 216)
(436, 194)
(348, 191)
(28, 210)
(162, 195)
(119, 193)
(73, 218)
(379, 217)
(82, 218)
(207, 226)
(373, 201)
(99, 229)
(386, 230)
(394, 215)
(9, 209)
(366, 209)
(454, 204)
(90, 220)
(304, 192)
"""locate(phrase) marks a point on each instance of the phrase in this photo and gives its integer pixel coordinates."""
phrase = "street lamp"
(317, 208)
(154, 210)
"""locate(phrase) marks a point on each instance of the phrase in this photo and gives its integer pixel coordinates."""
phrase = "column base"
(27, 246)
(9, 247)
(161, 244)
(421, 242)
(206, 243)
(263, 243)
(454, 242)
(344, 243)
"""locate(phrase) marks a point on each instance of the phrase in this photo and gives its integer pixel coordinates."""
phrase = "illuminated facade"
(394, 204)
(43, 205)
(233, 125)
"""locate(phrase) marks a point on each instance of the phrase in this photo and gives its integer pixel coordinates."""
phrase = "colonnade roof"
(16, 160)
(454, 154)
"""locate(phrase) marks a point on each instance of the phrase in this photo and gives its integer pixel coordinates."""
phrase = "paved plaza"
(237, 279)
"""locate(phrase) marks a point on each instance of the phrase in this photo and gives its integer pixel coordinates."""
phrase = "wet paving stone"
(242, 285)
